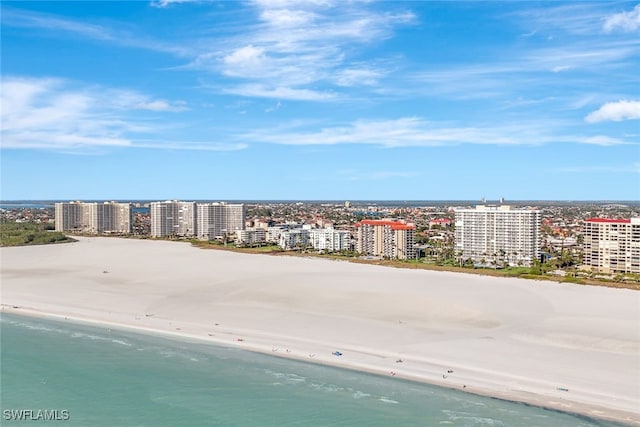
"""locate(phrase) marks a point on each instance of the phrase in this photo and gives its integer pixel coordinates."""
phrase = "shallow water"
(112, 378)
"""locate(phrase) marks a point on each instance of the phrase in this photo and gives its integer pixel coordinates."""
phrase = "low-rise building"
(251, 237)
(294, 239)
(330, 240)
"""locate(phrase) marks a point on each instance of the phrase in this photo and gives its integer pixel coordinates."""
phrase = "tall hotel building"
(612, 245)
(107, 217)
(389, 239)
(498, 234)
(173, 218)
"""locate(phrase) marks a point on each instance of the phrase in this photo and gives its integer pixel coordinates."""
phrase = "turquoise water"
(113, 378)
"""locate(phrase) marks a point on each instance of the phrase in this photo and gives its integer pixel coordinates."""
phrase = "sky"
(320, 100)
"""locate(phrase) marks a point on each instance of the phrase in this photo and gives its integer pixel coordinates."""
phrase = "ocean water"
(97, 377)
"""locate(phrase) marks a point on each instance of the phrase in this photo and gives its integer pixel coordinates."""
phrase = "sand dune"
(568, 347)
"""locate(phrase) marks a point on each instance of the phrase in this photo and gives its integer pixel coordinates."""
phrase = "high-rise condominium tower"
(389, 239)
(217, 219)
(201, 220)
(498, 235)
(173, 218)
(107, 217)
(612, 245)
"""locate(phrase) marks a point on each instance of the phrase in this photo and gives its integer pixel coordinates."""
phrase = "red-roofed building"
(609, 220)
(612, 245)
(442, 222)
(389, 239)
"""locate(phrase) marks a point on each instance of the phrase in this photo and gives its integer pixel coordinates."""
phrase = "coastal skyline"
(279, 100)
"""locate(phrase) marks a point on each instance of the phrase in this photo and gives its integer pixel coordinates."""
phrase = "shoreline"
(251, 345)
(482, 330)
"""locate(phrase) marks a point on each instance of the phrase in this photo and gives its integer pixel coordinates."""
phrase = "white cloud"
(297, 47)
(582, 18)
(603, 140)
(190, 145)
(417, 132)
(131, 100)
(403, 132)
(167, 3)
(282, 4)
(38, 113)
(301, 49)
(274, 108)
(358, 76)
(12, 17)
(625, 21)
(247, 56)
(526, 70)
(161, 105)
(59, 115)
(28, 19)
(615, 111)
(261, 91)
(287, 18)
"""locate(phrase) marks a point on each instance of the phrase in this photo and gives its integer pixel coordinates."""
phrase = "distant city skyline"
(321, 100)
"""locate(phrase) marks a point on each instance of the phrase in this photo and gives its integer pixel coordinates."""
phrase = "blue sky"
(322, 99)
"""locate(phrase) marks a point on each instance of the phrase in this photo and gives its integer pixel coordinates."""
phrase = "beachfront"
(562, 346)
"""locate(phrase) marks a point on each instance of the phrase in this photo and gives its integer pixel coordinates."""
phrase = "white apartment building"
(173, 218)
(217, 219)
(210, 217)
(294, 239)
(329, 240)
(273, 234)
(498, 234)
(251, 236)
(113, 217)
(68, 216)
(388, 239)
(205, 221)
(107, 217)
(235, 216)
(612, 245)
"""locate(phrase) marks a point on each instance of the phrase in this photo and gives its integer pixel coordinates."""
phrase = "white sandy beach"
(562, 346)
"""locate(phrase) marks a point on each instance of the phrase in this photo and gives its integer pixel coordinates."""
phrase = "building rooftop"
(395, 225)
(610, 220)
